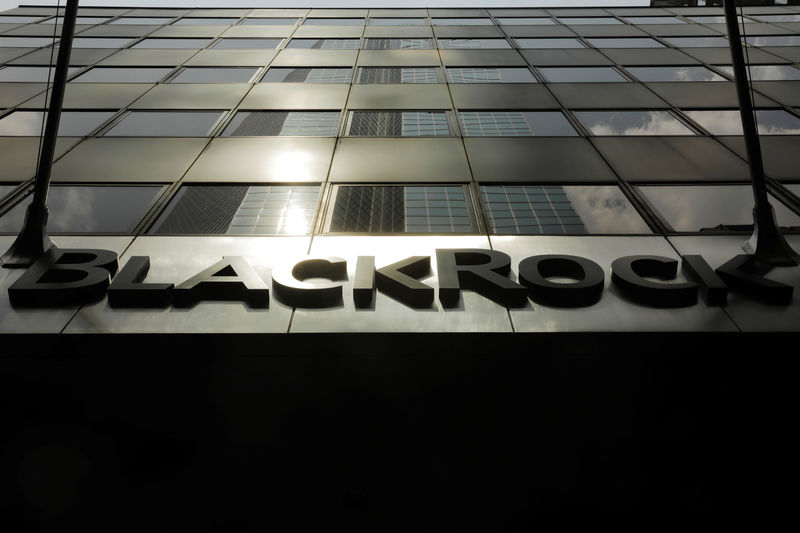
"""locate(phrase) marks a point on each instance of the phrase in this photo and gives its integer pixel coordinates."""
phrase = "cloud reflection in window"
(632, 123)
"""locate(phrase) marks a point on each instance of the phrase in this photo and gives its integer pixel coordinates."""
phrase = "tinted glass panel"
(246, 44)
(78, 20)
(206, 21)
(26, 42)
(473, 43)
(626, 42)
(589, 20)
(399, 44)
(398, 75)
(142, 20)
(333, 22)
(694, 42)
(508, 21)
(490, 75)
(240, 210)
(123, 75)
(713, 19)
(398, 21)
(760, 72)
(655, 20)
(514, 123)
(399, 124)
(11, 19)
(462, 22)
(183, 44)
(166, 124)
(712, 207)
(308, 75)
(532, 210)
(72, 123)
(88, 209)
(674, 74)
(773, 40)
(271, 123)
(400, 209)
(632, 123)
(729, 122)
(90, 42)
(324, 44)
(778, 18)
(30, 74)
(549, 43)
(581, 74)
(215, 75)
(277, 21)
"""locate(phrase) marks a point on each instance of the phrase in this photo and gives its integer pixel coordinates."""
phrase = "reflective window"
(687, 73)
(166, 124)
(714, 19)
(654, 20)
(123, 75)
(533, 21)
(283, 123)
(334, 22)
(697, 42)
(398, 21)
(581, 74)
(308, 75)
(5, 189)
(78, 20)
(625, 42)
(12, 19)
(778, 18)
(550, 209)
(773, 40)
(514, 123)
(71, 124)
(25, 42)
(239, 210)
(400, 209)
(141, 20)
(324, 44)
(759, 72)
(88, 209)
(589, 20)
(31, 74)
(182, 44)
(632, 123)
(197, 21)
(711, 207)
(549, 43)
(398, 44)
(275, 21)
(215, 75)
(100, 42)
(729, 121)
(489, 75)
(399, 124)
(398, 75)
(473, 43)
(246, 44)
(462, 22)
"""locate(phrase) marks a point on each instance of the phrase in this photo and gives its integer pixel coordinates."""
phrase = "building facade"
(524, 184)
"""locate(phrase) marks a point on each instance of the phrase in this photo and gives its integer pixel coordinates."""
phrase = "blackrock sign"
(65, 277)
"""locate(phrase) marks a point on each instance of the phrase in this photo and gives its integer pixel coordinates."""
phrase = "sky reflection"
(632, 123)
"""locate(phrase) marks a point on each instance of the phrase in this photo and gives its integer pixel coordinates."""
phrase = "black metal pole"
(766, 244)
(33, 240)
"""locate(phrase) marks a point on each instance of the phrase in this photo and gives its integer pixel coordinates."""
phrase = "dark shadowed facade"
(592, 158)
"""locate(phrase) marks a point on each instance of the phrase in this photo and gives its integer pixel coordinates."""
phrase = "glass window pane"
(632, 123)
(246, 44)
(72, 123)
(399, 44)
(711, 207)
(531, 209)
(549, 43)
(398, 21)
(763, 72)
(773, 40)
(324, 44)
(166, 124)
(88, 209)
(729, 122)
(308, 75)
(581, 74)
(654, 20)
(713, 19)
(123, 75)
(14, 19)
(94, 42)
(399, 124)
(625, 42)
(31, 74)
(284, 123)
(779, 18)
(25, 42)
(78, 20)
(462, 21)
(239, 210)
(198, 21)
(692, 73)
(333, 22)
(181, 44)
(473, 43)
(398, 75)
(398, 209)
(275, 21)
(142, 20)
(489, 75)
(509, 21)
(514, 123)
(215, 75)
(695, 42)
(589, 20)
